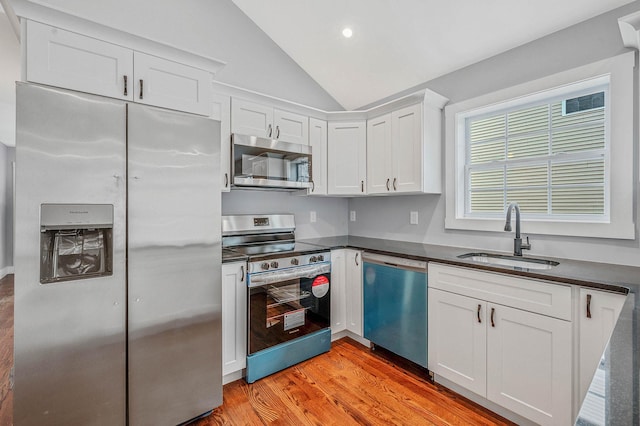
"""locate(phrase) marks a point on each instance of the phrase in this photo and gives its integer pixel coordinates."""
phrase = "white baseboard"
(6, 271)
(232, 377)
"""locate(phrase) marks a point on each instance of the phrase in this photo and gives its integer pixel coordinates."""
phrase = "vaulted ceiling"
(398, 44)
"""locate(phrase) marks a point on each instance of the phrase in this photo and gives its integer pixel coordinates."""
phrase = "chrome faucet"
(518, 246)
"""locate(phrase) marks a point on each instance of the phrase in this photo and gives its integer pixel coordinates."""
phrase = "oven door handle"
(308, 271)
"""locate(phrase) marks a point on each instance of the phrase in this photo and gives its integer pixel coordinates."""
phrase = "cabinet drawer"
(528, 294)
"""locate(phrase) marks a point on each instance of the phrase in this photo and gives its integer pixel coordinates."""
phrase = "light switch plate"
(352, 215)
(312, 217)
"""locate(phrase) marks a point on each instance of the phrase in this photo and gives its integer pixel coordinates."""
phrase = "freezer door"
(174, 259)
(70, 335)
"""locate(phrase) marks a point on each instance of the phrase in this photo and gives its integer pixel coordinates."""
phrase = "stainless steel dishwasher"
(395, 305)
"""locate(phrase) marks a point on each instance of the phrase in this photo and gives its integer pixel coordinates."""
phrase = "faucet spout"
(518, 246)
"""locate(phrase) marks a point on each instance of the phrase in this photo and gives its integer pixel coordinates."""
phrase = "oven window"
(279, 312)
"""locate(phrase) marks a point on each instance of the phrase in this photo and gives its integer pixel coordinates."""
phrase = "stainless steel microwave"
(269, 163)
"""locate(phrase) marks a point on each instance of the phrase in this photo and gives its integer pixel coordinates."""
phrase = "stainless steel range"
(289, 299)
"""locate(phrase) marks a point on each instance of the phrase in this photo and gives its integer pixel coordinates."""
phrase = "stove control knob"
(313, 259)
(295, 261)
(264, 266)
(320, 258)
(274, 264)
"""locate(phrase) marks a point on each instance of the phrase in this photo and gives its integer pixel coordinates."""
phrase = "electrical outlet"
(352, 215)
(413, 218)
(312, 217)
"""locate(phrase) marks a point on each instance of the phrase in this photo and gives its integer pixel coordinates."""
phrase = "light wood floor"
(350, 385)
(6, 350)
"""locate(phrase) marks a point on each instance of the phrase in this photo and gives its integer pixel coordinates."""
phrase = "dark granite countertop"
(618, 393)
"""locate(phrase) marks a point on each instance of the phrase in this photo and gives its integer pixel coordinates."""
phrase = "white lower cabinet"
(529, 364)
(598, 312)
(346, 291)
(234, 317)
(517, 359)
(458, 339)
(338, 291)
(353, 268)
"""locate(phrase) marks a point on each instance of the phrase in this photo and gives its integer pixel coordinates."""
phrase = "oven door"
(287, 304)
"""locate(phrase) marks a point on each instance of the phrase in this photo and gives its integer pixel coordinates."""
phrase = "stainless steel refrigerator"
(117, 262)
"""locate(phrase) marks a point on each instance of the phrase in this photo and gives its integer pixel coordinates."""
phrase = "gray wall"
(331, 213)
(592, 40)
(212, 28)
(7, 156)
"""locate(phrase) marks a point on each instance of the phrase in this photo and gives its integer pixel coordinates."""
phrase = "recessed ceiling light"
(347, 32)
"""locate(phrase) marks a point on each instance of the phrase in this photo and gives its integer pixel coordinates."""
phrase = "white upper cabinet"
(399, 158)
(347, 158)
(379, 152)
(222, 112)
(172, 85)
(64, 59)
(291, 127)
(250, 118)
(69, 60)
(254, 119)
(407, 153)
(318, 143)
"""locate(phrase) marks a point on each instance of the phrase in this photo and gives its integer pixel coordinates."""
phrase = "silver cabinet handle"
(479, 307)
(394, 184)
(361, 186)
(269, 131)
(493, 311)
(313, 186)
(126, 91)
(277, 132)
(356, 259)
(388, 184)
(588, 306)
(141, 88)
(226, 180)
(242, 276)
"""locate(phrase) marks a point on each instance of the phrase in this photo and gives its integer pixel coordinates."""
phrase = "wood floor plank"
(6, 349)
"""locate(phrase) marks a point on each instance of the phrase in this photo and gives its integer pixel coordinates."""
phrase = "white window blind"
(549, 155)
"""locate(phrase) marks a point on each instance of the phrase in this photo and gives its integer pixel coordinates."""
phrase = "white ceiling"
(398, 44)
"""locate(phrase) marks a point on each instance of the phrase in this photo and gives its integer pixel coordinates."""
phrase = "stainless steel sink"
(509, 261)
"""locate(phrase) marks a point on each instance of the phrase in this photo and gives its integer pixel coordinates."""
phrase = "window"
(548, 155)
(560, 146)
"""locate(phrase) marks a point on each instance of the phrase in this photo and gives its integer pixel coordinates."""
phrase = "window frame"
(619, 199)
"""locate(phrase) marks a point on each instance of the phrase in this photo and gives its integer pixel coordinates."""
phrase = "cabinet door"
(406, 126)
(318, 142)
(172, 85)
(529, 364)
(354, 291)
(457, 339)
(290, 127)
(64, 59)
(379, 155)
(249, 118)
(597, 316)
(338, 291)
(347, 157)
(234, 317)
(222, 112)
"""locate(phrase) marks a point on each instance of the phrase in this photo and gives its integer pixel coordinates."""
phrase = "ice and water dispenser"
(76, 241)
